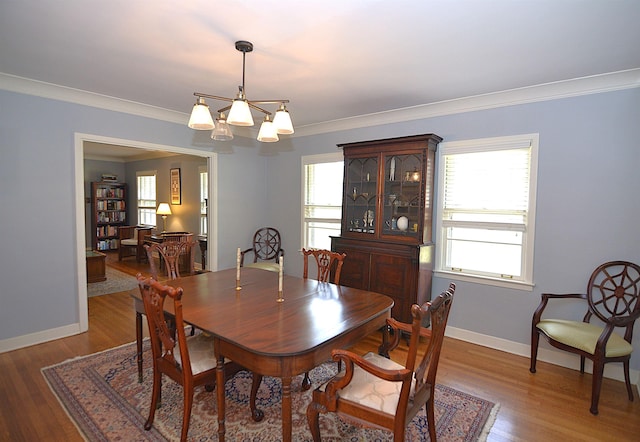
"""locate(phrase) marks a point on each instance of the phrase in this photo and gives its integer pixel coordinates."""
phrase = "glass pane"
(322, 212)
(402, 194)
(318, 234)
(147, 217)
(360, 204)
(485, 251)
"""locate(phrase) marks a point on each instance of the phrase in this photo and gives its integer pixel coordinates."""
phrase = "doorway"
(80, 140)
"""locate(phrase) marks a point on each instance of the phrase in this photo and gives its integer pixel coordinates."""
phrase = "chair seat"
(371, 391)
(270, 266)
(129, 242)
(583, 336)
(201, 353)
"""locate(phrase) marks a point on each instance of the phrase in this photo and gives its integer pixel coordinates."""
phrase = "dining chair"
(189, 361)
(131, 238)
(380, 391)
(266, 250)
(613, 297)
(169, 253)
(326, 262)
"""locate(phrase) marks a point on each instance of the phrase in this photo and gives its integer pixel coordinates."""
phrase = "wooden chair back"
(326, 262)
(189, 361)
(408, 387)
(170, 253)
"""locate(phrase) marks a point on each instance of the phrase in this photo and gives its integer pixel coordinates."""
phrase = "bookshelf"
(108, 213)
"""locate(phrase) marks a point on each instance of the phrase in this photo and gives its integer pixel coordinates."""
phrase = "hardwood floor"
(552, 405)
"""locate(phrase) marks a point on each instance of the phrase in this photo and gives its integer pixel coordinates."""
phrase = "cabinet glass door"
(402, 211)
(361, 195)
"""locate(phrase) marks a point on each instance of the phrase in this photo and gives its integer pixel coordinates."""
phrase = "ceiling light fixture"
(240, 112)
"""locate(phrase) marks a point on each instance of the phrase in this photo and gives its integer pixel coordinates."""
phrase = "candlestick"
(280, 298)
(238, 270)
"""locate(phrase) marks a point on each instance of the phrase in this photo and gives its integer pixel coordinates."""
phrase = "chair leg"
(186, 413)
(535, 338)
(431, 418)
(155, 395)
(627, 379)
(139, 344)
(313, 411)
(256, 414)
(598, 370)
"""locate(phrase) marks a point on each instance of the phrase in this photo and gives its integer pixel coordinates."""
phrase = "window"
(486, 202)
(146, 182)
(322, 199)
(204, 199)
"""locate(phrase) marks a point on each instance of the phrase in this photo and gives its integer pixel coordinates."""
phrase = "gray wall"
(38, 262)
(587, 206)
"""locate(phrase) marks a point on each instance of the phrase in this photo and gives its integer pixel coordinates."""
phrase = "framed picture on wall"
(176, 197)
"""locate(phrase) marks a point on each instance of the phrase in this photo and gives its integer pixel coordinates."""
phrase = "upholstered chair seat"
(584, 336)
(373, 391)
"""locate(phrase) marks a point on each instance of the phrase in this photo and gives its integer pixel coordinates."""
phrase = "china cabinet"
(387, 216)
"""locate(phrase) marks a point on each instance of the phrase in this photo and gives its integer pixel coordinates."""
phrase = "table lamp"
(164, 210)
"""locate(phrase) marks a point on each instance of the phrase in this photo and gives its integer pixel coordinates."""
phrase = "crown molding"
(594, 84)
(63, 93)
(613, 81)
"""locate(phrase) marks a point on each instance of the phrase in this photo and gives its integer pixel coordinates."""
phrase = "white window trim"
(201, 170)
(528, 240)
(313, 159)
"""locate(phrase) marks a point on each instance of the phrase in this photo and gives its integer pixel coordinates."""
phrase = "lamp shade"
(200, 116)
(282, 121)
(240, 114)
(222, 131)
(163, 209)
(267, 132)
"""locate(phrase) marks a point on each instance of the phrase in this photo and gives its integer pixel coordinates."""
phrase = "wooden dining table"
(281, 339)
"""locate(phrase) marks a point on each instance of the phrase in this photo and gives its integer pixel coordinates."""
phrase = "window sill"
(517, 285)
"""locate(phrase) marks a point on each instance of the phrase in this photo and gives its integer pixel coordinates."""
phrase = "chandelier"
(240, 112)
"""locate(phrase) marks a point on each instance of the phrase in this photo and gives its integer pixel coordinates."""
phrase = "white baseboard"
(39, 337)
(556, 357)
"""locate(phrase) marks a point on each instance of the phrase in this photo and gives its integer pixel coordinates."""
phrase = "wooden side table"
(96, 266)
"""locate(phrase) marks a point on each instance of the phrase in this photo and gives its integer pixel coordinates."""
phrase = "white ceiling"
(333, 59)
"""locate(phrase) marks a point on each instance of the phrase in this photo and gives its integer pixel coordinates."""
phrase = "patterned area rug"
(117, 281)
(101, 394)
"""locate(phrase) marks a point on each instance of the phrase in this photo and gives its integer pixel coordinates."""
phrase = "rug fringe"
(489, 424)
(77, 358)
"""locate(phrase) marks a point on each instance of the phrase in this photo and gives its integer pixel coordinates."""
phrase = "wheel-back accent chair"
(382, 392)
(266, 250)
(131, 238)
(613, 297)
(189, 361)
(168, 252)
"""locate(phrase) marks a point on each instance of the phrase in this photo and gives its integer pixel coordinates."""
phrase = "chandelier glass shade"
(221, 131)
(240, 111)
(268, 132)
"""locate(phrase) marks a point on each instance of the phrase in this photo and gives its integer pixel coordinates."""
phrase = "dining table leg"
(286, 409)
(220, 395)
